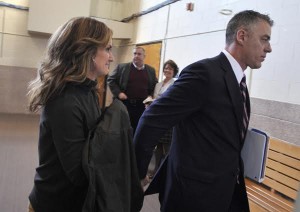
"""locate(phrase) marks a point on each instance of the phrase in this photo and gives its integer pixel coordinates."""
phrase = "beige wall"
(47, 15)
(17, 46)
(13, 88)
(20, 53)
(19, 56)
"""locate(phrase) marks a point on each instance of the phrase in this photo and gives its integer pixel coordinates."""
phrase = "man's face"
(138, 57)
(257, 45)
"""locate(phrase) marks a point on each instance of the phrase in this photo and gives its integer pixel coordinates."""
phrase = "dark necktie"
(243, 88)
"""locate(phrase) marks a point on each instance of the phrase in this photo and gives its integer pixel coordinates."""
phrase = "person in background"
(132, 83)
(209, 108)
(65, 90)
(170, 70)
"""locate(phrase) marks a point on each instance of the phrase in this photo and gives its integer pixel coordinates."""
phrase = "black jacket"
(110, 164)
(60, 184)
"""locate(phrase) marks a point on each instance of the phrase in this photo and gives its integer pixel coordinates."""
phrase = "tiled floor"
(18, 159)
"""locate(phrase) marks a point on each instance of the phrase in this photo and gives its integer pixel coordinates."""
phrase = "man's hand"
(147, 105)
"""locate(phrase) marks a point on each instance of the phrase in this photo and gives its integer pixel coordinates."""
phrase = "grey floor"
(18, 159)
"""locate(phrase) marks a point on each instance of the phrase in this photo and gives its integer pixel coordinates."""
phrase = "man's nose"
(269, 48)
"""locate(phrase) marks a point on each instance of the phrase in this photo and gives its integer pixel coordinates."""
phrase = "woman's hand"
(122, 96)
(145, 181)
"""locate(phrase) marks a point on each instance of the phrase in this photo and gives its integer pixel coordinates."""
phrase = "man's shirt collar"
(237, 69)
(138, 68)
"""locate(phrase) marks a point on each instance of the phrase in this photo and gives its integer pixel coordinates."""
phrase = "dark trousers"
(239, 201)
(135, 108)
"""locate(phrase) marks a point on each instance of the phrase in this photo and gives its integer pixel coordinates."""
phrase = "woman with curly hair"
(65, 90)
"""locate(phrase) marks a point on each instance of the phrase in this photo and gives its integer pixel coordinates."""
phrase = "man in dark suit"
(206, 107)
(133, 83)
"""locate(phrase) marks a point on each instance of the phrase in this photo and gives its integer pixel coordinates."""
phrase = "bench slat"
(281, 188)
(260, 192)
(283, 169)
(284, 159)
(265, 203)
(284, 147)
(279, 177)
(255, 207)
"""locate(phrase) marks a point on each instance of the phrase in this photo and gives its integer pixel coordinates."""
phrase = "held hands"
(122, 96)
(148, 101)
(147, 105)
(145, 181)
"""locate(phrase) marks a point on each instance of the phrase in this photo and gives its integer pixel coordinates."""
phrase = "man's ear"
(241, 36)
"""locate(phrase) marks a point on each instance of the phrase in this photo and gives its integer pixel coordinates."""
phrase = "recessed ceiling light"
(225, 12)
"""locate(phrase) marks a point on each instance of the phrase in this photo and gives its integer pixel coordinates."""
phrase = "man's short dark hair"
(139, 47)
(244, 19)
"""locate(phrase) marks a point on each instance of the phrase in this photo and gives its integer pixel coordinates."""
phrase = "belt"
(134, 101)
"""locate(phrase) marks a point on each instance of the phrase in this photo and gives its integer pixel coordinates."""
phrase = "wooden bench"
(279, 189)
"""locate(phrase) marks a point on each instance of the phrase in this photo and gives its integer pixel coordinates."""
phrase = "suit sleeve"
(113, 81)
(180, 101)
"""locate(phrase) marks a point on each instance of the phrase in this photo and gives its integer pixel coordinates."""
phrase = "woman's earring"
(95, 64)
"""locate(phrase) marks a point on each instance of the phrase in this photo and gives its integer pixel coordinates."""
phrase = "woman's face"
(102, 60)
(168, 71)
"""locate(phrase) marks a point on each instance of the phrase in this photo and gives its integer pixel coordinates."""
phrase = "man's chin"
(256, 66)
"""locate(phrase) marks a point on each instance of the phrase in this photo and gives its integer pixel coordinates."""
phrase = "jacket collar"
(233, 90)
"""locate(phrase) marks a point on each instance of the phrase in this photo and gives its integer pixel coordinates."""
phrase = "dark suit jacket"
(118, 79)
(205, 107)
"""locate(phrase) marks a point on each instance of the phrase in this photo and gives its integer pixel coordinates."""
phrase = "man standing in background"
(209, 107)
(132, 83)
